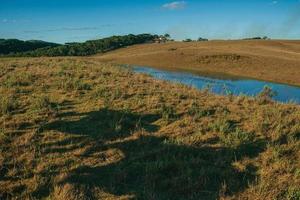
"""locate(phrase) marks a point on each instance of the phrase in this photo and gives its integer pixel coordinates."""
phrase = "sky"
(80, 20)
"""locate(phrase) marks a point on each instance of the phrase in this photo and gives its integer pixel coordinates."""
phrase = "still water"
(236, 86)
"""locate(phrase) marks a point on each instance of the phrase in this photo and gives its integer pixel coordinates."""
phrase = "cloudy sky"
(79, 20)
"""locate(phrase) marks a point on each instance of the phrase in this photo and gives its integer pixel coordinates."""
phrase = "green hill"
(89, 47)
(10, 46)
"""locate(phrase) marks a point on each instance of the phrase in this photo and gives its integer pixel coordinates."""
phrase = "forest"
(11, 46)
(17, 48)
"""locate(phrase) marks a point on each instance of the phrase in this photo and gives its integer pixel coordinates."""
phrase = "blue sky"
(79, 20)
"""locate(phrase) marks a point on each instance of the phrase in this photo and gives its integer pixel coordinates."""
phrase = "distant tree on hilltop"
(200, 39)
(167, 36)
(258, 38)
(188, 40)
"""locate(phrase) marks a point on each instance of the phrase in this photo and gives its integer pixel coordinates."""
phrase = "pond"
(224, 85)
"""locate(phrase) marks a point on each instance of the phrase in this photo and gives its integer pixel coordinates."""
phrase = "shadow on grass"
(105, 124)
(154, 167)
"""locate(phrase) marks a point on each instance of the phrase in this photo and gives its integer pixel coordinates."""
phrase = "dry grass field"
(76, 128)
(271, 60)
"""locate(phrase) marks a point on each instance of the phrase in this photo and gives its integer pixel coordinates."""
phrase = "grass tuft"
(74, 84)
(8, 104)
(236, 138)
(43, 103)
(167, 113)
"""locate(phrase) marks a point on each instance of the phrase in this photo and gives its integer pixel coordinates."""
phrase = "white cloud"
(274, 2)
(174, 5)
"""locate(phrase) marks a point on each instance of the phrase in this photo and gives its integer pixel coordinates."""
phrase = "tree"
(167, 36)
(188, 40)
(265, 38)
(200, 39)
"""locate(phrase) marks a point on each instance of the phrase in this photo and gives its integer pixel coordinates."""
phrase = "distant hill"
(10, 46)
(271, 60)
(86, 48)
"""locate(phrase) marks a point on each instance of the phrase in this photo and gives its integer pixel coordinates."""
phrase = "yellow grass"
(82, 129)
(273, 60)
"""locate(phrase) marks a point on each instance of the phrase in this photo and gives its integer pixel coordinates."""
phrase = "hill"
(11, 46)
(269, 60)
(89, 47)
(77, 128)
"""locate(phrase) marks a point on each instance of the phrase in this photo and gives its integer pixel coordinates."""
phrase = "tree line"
(83, 49)
(11, 46)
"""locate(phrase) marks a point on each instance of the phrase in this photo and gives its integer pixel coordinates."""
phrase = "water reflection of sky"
(285, 93)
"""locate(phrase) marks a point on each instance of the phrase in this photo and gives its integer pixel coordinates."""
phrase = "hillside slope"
(77, 129)
(272, 60)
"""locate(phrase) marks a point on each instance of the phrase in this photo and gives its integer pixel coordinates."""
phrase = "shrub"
(266, 94)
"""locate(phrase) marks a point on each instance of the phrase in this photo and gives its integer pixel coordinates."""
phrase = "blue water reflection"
(285, 93)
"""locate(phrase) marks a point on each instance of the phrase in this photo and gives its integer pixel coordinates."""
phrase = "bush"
(266, 94)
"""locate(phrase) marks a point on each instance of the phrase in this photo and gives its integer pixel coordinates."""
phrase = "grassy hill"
(271, 60)
(77, 128)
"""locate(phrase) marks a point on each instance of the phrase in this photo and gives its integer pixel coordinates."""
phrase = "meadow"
(79, 128)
